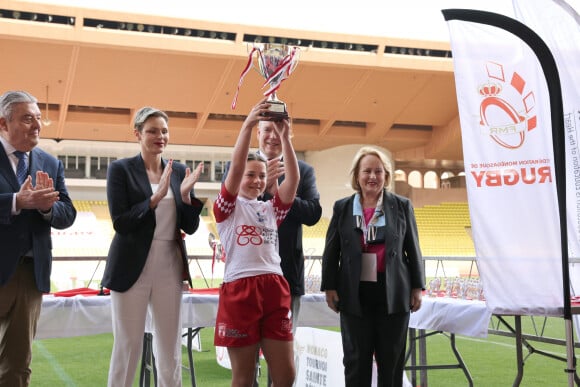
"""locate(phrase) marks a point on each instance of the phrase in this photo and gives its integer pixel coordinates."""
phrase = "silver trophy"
(275, 62)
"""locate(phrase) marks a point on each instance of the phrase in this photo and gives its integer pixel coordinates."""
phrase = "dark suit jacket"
(306, 210)
(29, 229)
(129, 194)
(341, 261)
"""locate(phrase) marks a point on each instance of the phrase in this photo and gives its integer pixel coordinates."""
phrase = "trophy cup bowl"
(276, 62)
(271, 57)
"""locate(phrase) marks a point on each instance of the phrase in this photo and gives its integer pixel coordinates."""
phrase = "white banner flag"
(558, 24)
(504, 110)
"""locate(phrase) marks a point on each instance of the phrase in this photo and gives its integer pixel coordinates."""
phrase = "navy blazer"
(29, 229)
(341, 261)
(129, 195)
(306, 210)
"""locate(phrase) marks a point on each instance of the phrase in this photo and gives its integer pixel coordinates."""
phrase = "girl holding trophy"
(254, 301)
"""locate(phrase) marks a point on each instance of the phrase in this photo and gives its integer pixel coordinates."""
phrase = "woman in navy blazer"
(151, 202)
(372, 272)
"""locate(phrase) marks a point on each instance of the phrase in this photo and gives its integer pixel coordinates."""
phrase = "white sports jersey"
(248, 231)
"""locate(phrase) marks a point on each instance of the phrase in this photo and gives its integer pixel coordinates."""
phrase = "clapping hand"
(189, 181)
(282, 127)
(40, 197)
(163, 186)
(274, 171)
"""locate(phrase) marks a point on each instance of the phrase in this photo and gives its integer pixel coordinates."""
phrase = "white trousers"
(159, 289)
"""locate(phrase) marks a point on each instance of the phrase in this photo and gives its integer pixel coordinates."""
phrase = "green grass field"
(84, 361)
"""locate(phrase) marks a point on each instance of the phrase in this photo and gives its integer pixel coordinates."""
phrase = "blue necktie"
(22, 167)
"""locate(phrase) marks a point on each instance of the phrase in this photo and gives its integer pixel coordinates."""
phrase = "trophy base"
(277, 110)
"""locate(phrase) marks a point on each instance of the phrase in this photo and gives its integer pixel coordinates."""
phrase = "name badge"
(368, 267)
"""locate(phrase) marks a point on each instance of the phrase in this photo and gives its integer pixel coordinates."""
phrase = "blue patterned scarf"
(378, 219)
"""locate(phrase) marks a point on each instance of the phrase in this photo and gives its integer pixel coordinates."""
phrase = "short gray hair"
(144, 114)
(11, 98)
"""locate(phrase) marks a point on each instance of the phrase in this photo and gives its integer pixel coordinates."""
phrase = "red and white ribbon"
(217, 249)
(242, 76)
(284, 69)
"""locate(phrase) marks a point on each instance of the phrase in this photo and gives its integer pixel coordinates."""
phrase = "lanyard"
(369, 231)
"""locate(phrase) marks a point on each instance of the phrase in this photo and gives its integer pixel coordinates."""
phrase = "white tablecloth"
(90, 315)
(462, 317)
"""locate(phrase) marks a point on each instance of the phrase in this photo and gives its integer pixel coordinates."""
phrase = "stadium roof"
(92, 69)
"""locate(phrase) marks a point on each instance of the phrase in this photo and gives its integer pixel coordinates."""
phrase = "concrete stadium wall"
(422, 197)
(332, 168)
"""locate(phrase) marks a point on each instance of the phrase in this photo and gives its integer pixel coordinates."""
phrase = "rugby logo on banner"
(505, 121)
(505, 112)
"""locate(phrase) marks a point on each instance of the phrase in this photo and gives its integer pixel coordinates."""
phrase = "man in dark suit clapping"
(33, 198)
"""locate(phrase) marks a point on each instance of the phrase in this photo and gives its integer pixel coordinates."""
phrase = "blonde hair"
(369, 151)
(144, 114)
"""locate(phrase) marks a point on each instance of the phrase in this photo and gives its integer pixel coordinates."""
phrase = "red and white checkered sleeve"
(224, 205)
(280, 209)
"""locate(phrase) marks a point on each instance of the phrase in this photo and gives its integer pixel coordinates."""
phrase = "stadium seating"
(318, 230)
(442, 230)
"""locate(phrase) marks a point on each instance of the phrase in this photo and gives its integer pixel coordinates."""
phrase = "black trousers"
(374, 333)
